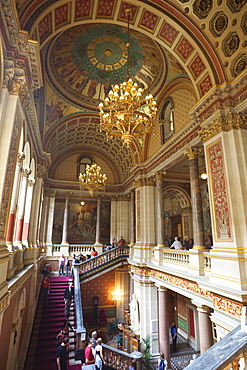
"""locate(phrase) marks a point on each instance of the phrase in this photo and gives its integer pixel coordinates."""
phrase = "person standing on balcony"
(176, 244)
(61, 262)
(94, 253)
(162, 363)
(121, 242)
(67, 264)
(99, 354)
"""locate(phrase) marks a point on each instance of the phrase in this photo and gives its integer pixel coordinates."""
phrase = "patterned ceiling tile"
(197, 66)
(202, 8)
(45, 28)
(122, 12)
(218, 24)
(106, 8)
(149, 21)
(236, 5)
(168, 33)
(205, 85)
(83, 9)
(61, 15)
(239, 65)
(231, 44)
(244, 23)
(184, 48)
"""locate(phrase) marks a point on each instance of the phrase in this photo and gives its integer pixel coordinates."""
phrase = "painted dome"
(87, 60)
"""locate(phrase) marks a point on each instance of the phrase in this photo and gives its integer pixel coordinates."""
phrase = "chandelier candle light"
(92, 179)
(122, 113)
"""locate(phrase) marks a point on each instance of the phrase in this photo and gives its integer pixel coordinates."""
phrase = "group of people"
(176, 243)
(94, 352)
(62, 338)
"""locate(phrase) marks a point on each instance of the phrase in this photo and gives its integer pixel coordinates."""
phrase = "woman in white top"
(99, 354)
(176, 244)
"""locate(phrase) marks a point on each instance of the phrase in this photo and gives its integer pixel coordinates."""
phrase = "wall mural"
(82, 222)
(87, 60)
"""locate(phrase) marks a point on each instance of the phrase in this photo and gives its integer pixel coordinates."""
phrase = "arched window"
(82, 161)
(167, 120)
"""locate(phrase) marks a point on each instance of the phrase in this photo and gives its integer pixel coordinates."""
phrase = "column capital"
(192, 152)
(160, 175)
(145, 182)
(223, 123)
(21, 157)
(52, 194)
(30, 183)
(201, 307)
(26, 172)
(41, 171)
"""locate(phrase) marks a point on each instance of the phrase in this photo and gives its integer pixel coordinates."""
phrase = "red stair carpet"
(47, 324)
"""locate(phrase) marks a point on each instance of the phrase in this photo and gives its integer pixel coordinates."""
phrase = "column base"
(98, 247)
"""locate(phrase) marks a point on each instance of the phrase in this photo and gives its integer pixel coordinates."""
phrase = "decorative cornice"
(223, 123)
(192, 152)
(144, 182)
(215, 301)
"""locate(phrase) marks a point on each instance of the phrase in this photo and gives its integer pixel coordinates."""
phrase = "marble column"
(164, 340)
(205, 328)
(145, 220)
(160, 210)
(13, 205)
(44, 218)
(21, 208)
(196, 198)
(36, 208)
(132, 218)
(50, 210)
(123, 218)
(65, 222)
(113, 231)
(27, 214)
(98, 245)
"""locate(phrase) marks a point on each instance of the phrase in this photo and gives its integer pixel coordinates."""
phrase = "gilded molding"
(192, 152)
(4, 303)
(159, 175)
(217, 302)
(144, 182)
(223, 123)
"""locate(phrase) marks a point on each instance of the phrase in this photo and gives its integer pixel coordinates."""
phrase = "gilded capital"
(159, 175)
(223, 123)
(192, 152)
(21, 157)
(31, 182)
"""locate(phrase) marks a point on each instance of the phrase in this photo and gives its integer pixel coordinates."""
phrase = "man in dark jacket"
(68, 297)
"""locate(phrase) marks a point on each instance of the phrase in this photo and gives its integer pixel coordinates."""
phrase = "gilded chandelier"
(122, 113)
(92, 179)
(124, 116)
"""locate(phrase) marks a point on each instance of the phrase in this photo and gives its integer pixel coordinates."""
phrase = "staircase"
(47, 324)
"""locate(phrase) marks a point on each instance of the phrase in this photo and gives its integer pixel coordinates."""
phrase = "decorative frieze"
(220, 303)
(223, 123)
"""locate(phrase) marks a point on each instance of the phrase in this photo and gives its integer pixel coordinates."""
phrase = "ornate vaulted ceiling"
(83, 45)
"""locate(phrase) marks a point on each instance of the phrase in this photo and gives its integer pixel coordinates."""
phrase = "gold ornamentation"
(192, 152)
(92, 179)
(221, 303)
(223, 123)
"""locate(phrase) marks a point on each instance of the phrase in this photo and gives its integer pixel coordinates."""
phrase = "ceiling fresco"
(84, 62)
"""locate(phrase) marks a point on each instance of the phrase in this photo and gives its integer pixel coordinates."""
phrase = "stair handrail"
(102, 258)
(81, 332)
(117, 359)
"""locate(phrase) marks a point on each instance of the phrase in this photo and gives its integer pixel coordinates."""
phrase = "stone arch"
(177, 212)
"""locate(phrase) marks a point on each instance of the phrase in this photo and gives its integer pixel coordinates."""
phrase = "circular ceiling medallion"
(84, 62)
